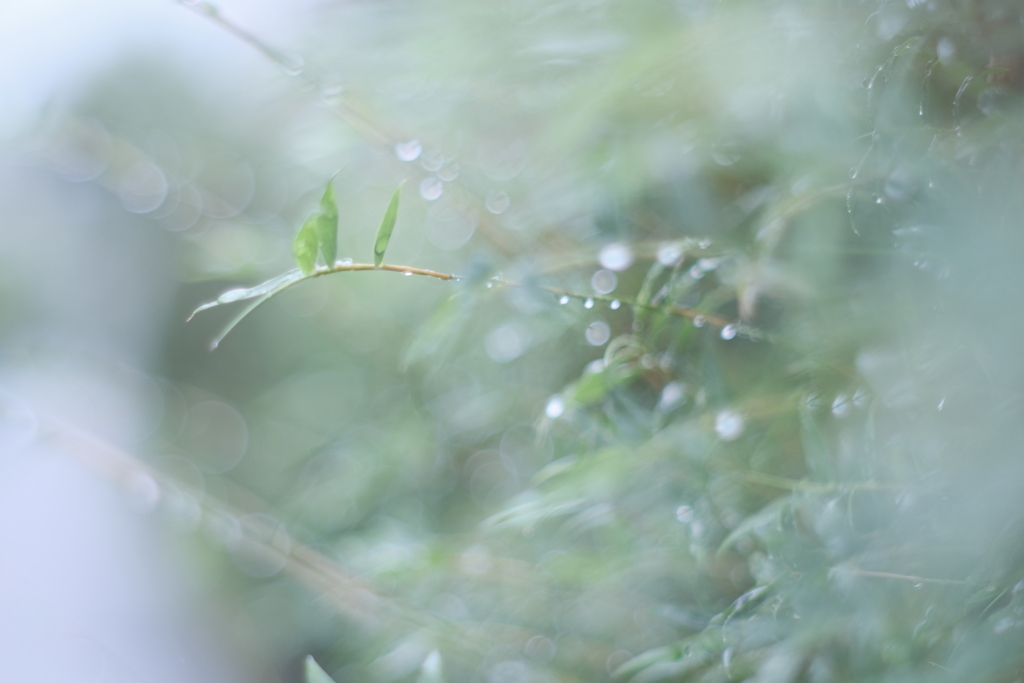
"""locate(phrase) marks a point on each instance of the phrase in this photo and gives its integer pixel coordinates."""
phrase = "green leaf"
(281, 283)
(305, 246)
(234, 295)
(327, 225)
(386, 227)
(314, 674)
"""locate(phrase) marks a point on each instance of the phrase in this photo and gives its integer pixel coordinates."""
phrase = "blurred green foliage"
(728, 387)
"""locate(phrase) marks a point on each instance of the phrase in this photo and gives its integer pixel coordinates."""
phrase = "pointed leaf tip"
(315, 674)
(327, 225)
(387, 226)
(305, 246)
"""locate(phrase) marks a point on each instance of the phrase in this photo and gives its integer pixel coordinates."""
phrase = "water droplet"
(672, 396)
(616, 256)
(497, 201)
(853, 174)
(920, 109)
(563, 299)
(729, 425)
(704, 244)
(812, 402)
(407, 273)
(945, 49)
(728, 332)
(409, 151)
(431, 188)
(684, 513)
(614, 305)
(878, 200)
(598, 333)
(696, 272)
(699, 321)
(669, 253)
(450, 172)
(589, 303)
(841, 406)
(345, 262)
(489, 285)
(332, 94)
(604, 281)
(555, 407)
(233, 295)
(507, 342)
(942, 404)
(432, 161)
(293, 65)
(860, 398)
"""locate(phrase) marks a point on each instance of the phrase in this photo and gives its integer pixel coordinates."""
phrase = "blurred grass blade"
(315, 674)
(768, 516)
(305, 245)
(386, 227)
(327, 225)
(234, 295)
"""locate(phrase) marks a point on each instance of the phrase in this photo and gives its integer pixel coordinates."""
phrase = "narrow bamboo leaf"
(386, 227)
(327, 225)
(282, 284)
(315, 674)
(305, 246)
(234, 295)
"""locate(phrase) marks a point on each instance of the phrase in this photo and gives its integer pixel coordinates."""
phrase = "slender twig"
(405, 270)
(675, 310)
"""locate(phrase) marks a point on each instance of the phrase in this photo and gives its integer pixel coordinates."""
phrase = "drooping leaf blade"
(241, 294)
(387, 225)
(282, 284)
(305, 245)
(314, 673)
(327, 225)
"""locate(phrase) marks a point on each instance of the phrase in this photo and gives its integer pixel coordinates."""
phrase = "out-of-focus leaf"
(816, 452)
(315, 674)
(305, 245)
(387, 226)
(327, 225)
(768, 515)
(668, 653)
(594, 387)
(445, 323)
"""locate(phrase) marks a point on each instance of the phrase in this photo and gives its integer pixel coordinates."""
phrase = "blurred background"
(728, 386)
